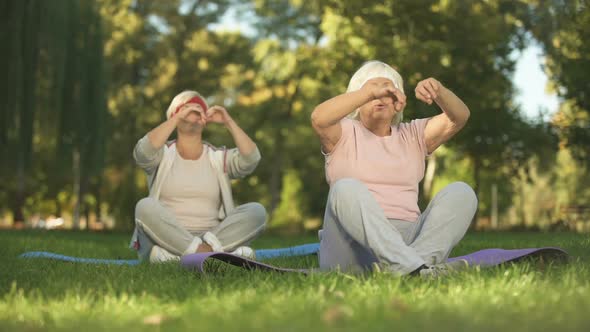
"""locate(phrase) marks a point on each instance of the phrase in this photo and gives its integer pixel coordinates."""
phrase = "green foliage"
(55, 99)
(89, 78)
(547, 196)
(563, 27)
(291, 210)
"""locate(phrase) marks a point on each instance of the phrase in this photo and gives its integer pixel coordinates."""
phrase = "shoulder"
(217, 150)
(414, 126)
(349, 122)
(347, 136)
(348, 125)
(413, 134)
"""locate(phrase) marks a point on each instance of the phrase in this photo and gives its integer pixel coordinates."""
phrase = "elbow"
(247, 163)
(257, 156)
(461, 121)
(316, 119)
(135, 154)
(465, 117)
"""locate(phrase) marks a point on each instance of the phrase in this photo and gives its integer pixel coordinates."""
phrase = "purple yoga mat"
(492, 257)
(197, 262)
(484, 258)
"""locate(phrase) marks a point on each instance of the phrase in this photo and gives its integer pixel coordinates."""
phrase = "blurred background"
(83, 80)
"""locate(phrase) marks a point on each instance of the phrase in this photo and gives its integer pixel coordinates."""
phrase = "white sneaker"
(439, 270)
(245, 252)
(161, 255)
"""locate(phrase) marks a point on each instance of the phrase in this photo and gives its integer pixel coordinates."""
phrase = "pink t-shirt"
(391, 166)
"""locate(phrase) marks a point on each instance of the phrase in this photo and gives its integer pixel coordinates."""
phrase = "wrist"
(230, 123)
(174, 120)
(367, 95)
(442, 93)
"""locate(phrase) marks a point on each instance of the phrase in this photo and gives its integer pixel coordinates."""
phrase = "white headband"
(374, 69)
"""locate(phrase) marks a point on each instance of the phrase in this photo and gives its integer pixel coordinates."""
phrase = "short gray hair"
(373, 69)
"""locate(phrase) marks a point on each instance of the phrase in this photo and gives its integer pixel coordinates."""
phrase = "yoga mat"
(50, 255)
(484, 258)
(492, 257)
(301, 250)
(197, 262)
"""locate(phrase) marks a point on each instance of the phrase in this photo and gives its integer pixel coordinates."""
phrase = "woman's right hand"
(187, 109)
(159, 135)
(387, 95)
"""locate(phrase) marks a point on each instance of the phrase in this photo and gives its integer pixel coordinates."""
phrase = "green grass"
(50, 295)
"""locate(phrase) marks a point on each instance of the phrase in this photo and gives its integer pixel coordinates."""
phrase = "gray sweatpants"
(356, 234)
(158, 226)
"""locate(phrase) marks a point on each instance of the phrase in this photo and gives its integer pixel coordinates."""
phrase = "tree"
(154, 51)
(562, 27)
(429, 38)
(54, 88)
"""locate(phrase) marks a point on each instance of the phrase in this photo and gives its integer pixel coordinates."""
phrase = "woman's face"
(194, 120)
(381, 109)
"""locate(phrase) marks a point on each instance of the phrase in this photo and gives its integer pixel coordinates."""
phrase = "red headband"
(193, 100)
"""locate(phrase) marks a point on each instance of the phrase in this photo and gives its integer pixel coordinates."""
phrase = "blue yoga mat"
(51, 255)
(301, 250)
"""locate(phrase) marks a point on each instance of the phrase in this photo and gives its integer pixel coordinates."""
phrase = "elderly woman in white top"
(190, 207)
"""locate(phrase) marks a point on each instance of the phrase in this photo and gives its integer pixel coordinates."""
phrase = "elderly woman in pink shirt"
(374, 164)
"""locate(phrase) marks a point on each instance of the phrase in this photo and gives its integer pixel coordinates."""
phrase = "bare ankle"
(204, 247)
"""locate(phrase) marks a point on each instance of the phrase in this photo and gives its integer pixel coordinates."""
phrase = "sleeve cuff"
(146, 146)
(252, 157)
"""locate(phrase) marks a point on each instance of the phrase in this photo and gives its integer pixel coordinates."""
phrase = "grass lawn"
(49, 295)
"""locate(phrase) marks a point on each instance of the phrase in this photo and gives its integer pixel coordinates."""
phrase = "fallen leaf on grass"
(398, 304)
(336, 313)
(155, 319)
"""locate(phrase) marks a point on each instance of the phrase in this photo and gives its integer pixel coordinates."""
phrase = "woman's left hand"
(428, 90)
(218, 114)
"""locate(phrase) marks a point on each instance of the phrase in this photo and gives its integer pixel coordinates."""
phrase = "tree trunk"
(276, 180)
(429, 177)
(494, 214)
(58, 207)
(522, 206)
(19, 198)
(76, 188)
(29, 50)
(82, 193)
(98, 196)
(476, 176)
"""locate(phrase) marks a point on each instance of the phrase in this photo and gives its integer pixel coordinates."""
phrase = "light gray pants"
(357, 235)
(158, 226)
